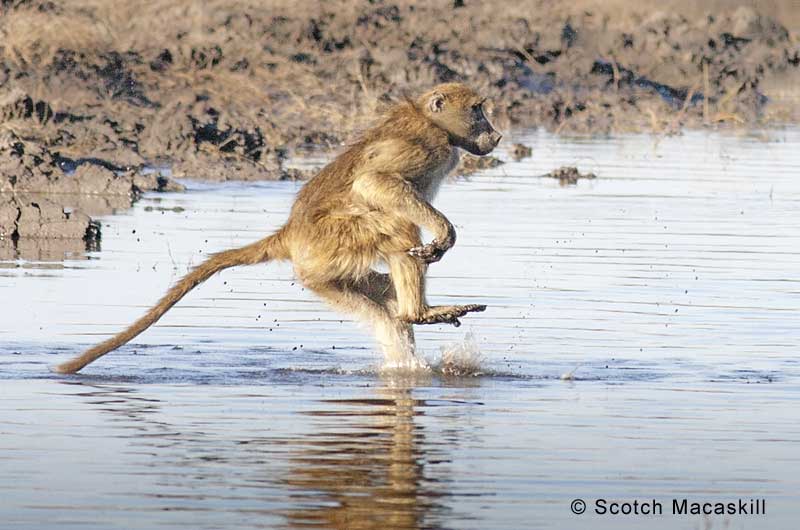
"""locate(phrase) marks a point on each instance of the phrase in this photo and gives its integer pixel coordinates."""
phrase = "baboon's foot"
(446, 314)
(430, 253)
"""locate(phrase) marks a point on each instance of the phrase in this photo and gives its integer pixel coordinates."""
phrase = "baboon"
(366, 206)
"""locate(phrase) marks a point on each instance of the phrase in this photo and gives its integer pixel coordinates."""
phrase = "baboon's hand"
(433, 251)
(430, 253)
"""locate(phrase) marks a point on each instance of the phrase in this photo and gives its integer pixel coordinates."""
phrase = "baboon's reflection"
(357, 464)
(363, 467)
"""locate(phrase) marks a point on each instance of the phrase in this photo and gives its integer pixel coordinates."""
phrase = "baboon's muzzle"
(486, 142)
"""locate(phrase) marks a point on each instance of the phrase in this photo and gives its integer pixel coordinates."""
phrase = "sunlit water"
(641, 342)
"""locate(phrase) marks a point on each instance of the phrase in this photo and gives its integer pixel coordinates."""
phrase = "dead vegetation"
(230, 89)
(237, 83)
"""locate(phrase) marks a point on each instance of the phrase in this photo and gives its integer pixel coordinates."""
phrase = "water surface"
(640, 343)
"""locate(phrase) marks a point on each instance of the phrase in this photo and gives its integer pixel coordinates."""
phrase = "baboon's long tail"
(271, 247)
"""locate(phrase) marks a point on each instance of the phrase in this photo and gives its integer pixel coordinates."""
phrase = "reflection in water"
(44, 250)
(364, 468)
(34, 249)
(124, 403)
(356, 463)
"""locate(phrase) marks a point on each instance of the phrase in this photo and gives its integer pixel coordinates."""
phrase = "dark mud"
(569, 175)
(520, 151)
(45, 195)
(469, 164)
(229, 90)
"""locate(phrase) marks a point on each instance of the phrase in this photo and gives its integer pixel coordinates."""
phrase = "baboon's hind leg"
(408, 277)
(447, 314)
(371, 300)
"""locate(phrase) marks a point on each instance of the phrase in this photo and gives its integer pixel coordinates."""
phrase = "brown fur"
(366, 206)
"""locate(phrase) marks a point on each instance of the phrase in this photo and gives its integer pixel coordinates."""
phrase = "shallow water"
(640, 343)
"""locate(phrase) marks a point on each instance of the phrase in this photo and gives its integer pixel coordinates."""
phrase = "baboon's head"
(459, 110)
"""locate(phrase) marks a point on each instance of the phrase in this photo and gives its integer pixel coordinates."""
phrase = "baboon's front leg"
(397, 196)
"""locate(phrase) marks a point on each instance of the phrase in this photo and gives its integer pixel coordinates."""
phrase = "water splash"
(460, 359)
(408, 364)
(569, 376)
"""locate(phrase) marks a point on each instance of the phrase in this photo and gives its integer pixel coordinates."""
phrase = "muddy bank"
(567, 175)
(45, 195)
(228, 90)
(225, 89)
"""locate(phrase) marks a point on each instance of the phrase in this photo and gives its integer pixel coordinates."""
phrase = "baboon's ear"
(436, 102)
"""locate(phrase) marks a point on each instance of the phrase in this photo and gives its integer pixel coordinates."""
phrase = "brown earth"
(567, 175)
(229, 89)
